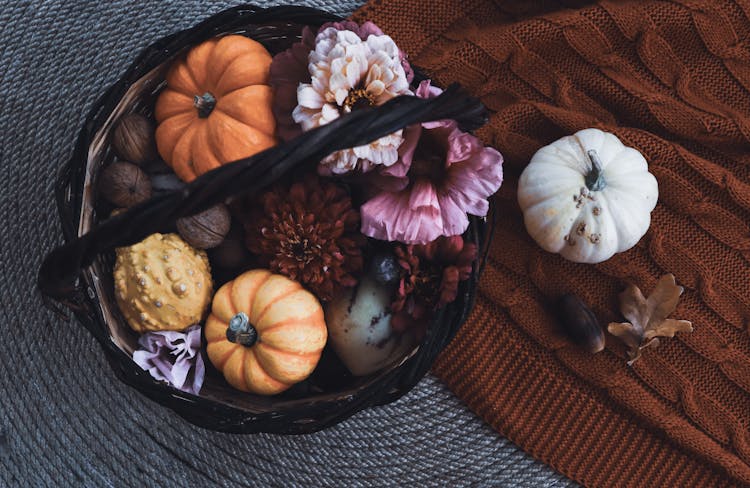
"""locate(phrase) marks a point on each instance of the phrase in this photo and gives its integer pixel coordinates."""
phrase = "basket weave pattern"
(91, 296)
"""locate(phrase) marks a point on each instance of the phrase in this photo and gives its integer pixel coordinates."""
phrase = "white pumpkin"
(587, 196)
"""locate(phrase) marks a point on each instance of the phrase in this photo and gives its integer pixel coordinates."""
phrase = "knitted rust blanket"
(672, 79)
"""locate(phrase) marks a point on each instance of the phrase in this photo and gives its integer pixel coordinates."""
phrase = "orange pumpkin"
(265, 332)
(216, 107)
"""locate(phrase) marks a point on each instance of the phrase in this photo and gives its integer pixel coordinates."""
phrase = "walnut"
(206, 229)
(124, 184)
(133, 139)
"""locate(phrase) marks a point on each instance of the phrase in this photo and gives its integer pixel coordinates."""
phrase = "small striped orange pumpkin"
(265, 332)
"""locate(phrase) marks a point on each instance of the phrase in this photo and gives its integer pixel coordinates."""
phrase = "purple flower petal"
(173, 357)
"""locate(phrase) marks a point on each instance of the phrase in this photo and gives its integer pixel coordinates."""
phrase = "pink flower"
(289, 69)
(442, 175)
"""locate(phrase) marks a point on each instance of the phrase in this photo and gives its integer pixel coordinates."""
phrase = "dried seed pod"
(124, 184)
(384, 269)
(580, 323)
(206, 229)
(133, 139)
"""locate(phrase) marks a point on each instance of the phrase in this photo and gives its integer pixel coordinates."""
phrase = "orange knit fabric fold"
(672, 79)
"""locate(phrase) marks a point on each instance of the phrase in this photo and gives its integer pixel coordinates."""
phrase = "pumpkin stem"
(240, 331)
(205, 104)
(594, 179)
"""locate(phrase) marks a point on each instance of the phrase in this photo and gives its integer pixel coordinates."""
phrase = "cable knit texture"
(672, 79)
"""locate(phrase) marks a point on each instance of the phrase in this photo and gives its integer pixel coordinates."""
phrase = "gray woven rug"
(65, 420)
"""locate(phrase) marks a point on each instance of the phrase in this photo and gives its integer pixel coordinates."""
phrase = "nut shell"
(124, 184)
(580, 323)
(133, 139)
(162, 283)
(206, 229)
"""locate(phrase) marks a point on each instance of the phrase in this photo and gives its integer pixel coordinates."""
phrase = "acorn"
(124, 184)
(580, 323)
(206, 229)
(133, 139)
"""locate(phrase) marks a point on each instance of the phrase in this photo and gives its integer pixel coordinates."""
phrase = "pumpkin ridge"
(191, 70)
(228, 115)
(164, 144)
(175, 74)
(219, 324)
(278, 350)
(220, 107)
(221, 362)
(210, 81)
(224, 83)
(283, 323)
(244, 302)
(202, 162)
(255, 298)
(186, 137)
(217, 79)
(193, 78)
(243, 372)
(269, 359)
(233, 132)
(277, 299)
(266, 375)
(172, 104)
(182, 90)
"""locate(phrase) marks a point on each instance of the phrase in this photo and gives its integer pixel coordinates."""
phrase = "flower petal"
(172, 357)
(454, 219)
(308, 97)
(389, 217)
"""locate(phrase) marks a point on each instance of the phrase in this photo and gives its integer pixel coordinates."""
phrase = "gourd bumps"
(162, 283)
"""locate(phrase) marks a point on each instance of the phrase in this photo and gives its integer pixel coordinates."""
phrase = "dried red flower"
(310, 233)
(430, 275)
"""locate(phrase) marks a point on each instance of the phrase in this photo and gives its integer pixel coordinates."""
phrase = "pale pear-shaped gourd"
(359, 328)
(587, 196)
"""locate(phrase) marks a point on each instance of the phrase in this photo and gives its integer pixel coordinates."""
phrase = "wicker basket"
(78, 274)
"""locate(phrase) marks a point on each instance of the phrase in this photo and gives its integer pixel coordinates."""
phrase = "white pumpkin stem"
(240, 331)
(594, 179)
(205, 104)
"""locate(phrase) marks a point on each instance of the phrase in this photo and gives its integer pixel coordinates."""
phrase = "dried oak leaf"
(648, 317)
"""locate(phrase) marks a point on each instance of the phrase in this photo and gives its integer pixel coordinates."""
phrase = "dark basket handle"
(60, 269)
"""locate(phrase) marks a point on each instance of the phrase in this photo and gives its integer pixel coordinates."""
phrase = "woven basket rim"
(314, 413)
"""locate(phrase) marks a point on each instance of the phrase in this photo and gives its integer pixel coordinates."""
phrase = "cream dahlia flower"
(349, 73)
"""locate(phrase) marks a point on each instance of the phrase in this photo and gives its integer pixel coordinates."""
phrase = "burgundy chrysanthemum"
(430, 275)
(310, 233)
